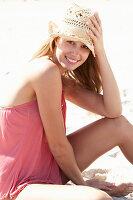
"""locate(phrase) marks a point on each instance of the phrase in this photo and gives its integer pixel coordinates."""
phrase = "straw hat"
(73, 25)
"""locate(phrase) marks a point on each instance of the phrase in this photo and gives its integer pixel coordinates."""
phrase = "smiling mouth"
(71, 61)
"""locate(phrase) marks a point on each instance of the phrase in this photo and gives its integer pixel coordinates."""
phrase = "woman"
(37, 158)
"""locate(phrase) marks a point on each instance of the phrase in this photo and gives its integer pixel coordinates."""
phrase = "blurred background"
(23, 27)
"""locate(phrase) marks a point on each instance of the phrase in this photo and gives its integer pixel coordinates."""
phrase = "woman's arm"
(47, 85)
(111, 96)
(84, 98)
(108, 104)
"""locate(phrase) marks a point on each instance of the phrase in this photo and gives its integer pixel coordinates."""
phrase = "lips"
(71, 61)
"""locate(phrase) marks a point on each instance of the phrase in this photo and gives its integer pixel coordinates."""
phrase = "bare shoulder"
(42, 67)
(44, 75)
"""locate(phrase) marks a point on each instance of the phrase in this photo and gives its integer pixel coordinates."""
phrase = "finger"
(126, 184)
(106, 188)
(97, 18)
(94, 30)
(130, 184)
(91, 35)
(110, 184)
(95, 23)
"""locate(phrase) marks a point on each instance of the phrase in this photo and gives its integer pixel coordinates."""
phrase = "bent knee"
(96, 194)
(103, 196)
(119, 123)
(120, 127)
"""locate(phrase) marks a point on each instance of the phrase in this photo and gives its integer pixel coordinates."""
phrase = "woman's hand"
(118, 190)
(96, 33)
(101, 184)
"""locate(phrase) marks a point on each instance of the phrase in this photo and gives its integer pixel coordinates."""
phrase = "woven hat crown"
(73, 25)
(77, 15)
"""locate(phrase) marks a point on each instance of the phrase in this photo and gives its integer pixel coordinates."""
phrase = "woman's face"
(70, 54)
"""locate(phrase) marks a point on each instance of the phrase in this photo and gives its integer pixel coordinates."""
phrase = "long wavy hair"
(87, 75)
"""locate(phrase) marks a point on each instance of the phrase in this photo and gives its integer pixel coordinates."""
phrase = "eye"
(70, 42)
(85, 47)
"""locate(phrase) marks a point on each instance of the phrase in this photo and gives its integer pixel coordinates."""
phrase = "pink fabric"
(25, 157)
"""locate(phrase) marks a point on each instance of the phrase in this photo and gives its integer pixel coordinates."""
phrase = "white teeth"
(73, 61)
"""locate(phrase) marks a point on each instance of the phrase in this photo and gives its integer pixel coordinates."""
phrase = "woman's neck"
(54, 60)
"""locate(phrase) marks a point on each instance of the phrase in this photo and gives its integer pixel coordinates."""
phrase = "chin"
(69, 67)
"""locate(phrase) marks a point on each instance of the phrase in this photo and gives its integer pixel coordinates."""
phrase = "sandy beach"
(23, 27)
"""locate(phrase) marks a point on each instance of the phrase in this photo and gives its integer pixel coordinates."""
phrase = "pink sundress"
(25, 157)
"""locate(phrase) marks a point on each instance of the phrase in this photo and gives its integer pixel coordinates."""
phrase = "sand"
(23, 27)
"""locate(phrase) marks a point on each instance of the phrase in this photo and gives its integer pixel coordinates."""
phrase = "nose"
(76, 51)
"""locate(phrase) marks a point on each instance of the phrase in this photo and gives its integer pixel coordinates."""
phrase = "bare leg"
(95, 139)
(61, 192)
(88, 143)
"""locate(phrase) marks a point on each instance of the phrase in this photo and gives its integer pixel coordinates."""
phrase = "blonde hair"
(87, 75)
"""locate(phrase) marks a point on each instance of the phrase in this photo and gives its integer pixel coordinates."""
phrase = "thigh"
(61, 192)
(92, 141)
